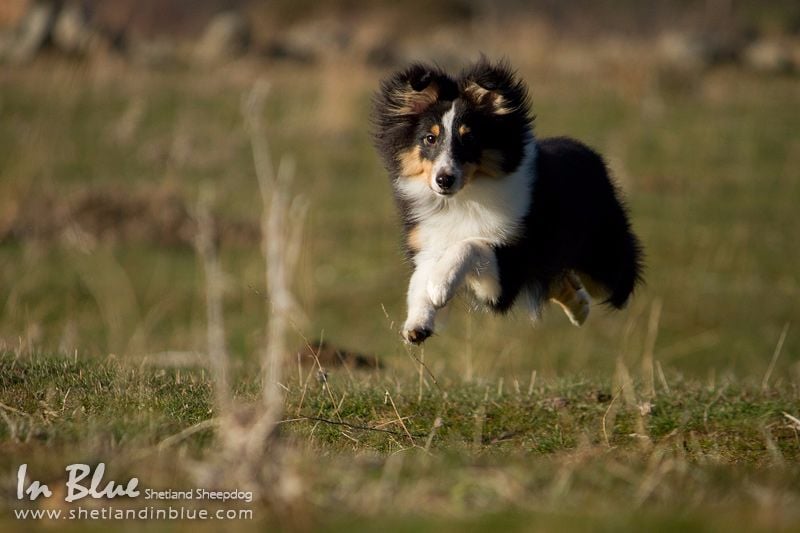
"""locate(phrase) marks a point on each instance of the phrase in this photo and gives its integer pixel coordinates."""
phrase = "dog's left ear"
(495, 88)
(413, 90)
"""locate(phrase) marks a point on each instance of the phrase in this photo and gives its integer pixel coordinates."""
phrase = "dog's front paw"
(416, 335)
(439, 293)
(419, 322)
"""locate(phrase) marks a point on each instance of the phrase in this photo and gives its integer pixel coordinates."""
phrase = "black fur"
(506, 132)
(577, 221)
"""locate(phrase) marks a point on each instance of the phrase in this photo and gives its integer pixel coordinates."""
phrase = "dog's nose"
(445, 180)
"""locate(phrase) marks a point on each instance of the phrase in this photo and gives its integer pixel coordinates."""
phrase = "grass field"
(675, 413)
(561, 454)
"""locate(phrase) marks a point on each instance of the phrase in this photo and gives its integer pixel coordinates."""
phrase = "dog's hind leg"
(571, 295)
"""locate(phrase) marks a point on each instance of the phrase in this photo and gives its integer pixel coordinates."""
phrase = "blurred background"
(115, 114)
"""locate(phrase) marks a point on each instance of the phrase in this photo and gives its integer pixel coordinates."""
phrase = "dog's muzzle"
(445, 181)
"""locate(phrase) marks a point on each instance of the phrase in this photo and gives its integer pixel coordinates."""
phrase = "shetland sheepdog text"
(487, 206)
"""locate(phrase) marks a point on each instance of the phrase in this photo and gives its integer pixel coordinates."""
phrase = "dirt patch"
(158, 216)
(330, 356)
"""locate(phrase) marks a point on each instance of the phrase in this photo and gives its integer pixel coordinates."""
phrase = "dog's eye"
(430, 139)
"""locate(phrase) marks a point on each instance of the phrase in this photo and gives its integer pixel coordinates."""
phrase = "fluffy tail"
(627, 273)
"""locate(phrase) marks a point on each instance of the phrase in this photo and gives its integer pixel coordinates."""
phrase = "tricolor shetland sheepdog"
(487, 205)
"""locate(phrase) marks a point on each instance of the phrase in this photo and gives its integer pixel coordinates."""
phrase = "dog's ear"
(494, 88)
(415, 89)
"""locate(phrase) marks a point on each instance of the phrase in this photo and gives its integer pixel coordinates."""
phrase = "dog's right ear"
(413, 90)
(495, 87)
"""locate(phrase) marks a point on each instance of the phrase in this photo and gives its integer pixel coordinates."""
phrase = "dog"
(520, 221)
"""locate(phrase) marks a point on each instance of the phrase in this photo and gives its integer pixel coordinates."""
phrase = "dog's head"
(445, 131)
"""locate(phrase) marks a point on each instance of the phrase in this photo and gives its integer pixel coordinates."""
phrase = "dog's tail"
(626, 272)
(593, 219)
(616, 258)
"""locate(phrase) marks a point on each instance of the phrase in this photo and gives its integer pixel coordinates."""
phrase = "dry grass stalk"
(248, 457)
(793, 419)
(532, 383)
(648, 370)
(421, 374)
(624, 381)
(775, 354)
(282, 228)
(322, 376)
(469, 372)
(437, 423)
(400, 420)
(480, 421)
(605, 416)
(662, 378)
(215, 327)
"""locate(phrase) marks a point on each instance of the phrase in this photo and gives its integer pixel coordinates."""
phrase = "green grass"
(556, 453)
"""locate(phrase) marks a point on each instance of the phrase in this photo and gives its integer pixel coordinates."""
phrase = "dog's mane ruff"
(488, 209)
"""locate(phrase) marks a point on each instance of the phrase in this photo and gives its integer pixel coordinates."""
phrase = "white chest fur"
(489, 210)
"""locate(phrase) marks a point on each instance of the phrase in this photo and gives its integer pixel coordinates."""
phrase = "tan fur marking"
(469, 170)
(490, 167)
(435, 129)
(562, 292)
(475, 92)
(482, 96)
(499, 104)
(413, 165)
(463, 129)
(414, 239)
(415, 102)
